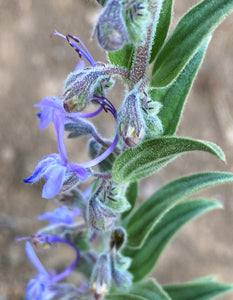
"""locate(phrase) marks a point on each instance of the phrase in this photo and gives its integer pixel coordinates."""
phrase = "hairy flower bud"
(100, 217)
(151, 109)
(111, 27)
(117, 238)
(130, 120)
(81, 86)
(121, 22)
(137, 18)
(101, 276)
(113, 196)
(121, 278)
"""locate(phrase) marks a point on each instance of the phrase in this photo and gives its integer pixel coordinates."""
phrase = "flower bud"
(122, 262)
(121, 278)
(137, 19)
(111, 28)
(114, 197)
(100, 217)
(130, 120)
(101, 276)
(151, 109)
(117, 238)
(80, 86)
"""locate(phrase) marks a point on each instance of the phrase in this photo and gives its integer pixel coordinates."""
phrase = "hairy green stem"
(142, 53)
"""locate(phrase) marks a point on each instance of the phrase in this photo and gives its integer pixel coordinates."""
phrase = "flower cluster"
(116, 243)
(85, 216)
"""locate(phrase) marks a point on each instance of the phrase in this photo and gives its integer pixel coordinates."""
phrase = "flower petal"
(61, 215)
(55, 179)
(79, 170)
(43, 167)
(80, 66)
(52, 102)
(34, 259)
(58, 120)
(48, 106)
(46, 115)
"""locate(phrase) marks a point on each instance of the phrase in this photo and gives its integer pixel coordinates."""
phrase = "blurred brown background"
(33, 65)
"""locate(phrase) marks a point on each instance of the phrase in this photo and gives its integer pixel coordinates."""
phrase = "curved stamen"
(78, 40)
(102, 157)
(82, 52)
(86, 115)
(51, 239)
(106, 104)
(71, 268)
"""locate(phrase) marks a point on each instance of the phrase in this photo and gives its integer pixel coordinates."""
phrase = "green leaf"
(142, 161)
(209, 278)
(123, 296)
(123, 57)
(145, 258)
(187, 37)
(153, 209)
(174, 96)
(149, 289)
(131, 196)
(162, 28)
(199, 290)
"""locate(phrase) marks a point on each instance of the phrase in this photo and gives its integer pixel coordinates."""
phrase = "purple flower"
(41, 287)
(61, 215)
(56, 171)
(55, 168)
(52, 111)
(37, 286)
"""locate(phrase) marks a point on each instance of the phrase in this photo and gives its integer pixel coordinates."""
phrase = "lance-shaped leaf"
(149, 289)
(142, 161)
(123, 57)
(187, 37)
(174, 96)
(145, 258)
(209, 278)
(162, 28)
(153, 209)
(119, 296)
(131, 195)
(199, 290)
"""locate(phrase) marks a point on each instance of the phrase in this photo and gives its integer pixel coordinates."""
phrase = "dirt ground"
(33, 65)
